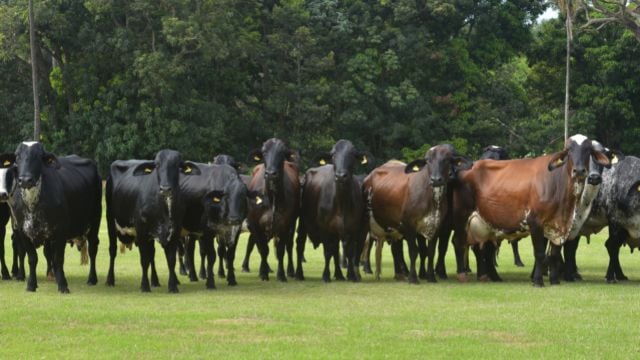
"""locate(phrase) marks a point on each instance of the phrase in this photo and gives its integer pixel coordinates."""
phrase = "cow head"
(273, 154)
(229, 160)
(32, 161)
(495, 153)
(167, 167)
(6, 175)
(441, 162)
(228, 205)
(344, 157)
(595, 169)
(578, 151)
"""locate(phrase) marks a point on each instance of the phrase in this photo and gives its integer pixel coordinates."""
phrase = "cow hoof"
(92, 282)
(30, 289)
(63, 291)
(554, 281)
(20, 278)
(400, 277)
(462, 277)
(538, 284)
(622, 278)
(222, 275)
(51, 277)
(413, 280)
(282, 278)
(173, 290)
(612, 281)
(110, 283)
(326, 279)
(183, 271)
(299, 276)
(484, 278)
(264, 278)
(442, 276)
(232, 283)
(245, 268)
(193, 278)
(431, 278)
(340, 278)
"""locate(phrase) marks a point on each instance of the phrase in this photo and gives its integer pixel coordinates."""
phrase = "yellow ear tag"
(614, 160)
(559, 162)
(364, 161)
(258, 200)
(6, 163)
(187, 170)
(638, 188)
(322, 162)
(415, 168)
(216, 199)
(148, 170)
(256, 158)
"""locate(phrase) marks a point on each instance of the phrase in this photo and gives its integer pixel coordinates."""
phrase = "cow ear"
(50, 160)
(615, 156)
(255, 156)
(415, 166)
(293, 156)
(461, 163)
(190, 168)
(255, 197)
(322, 159)
(601, 158)
(6, 160)
(145, 168)
(213, 197)
(365, 158)
(558, 159)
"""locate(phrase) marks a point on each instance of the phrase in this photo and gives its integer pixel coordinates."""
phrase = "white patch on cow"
(481, 231)
(582, 209)
(578, 187)
(31, 196)
(578, 139)
(632, 225)
(129, 231)
(430, 223)
(29, 143)
(168, 201)
(3, 182)
(494, 147)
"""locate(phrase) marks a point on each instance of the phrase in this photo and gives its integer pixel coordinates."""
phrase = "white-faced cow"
(333, 209)
(144, 203)
(6, 185)
(216, 205)
(509, 199)
(410, 199)
(274, 215)
(57, 199)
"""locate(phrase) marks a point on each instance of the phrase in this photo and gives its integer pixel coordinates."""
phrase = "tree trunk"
(566, 86)
(34, 75)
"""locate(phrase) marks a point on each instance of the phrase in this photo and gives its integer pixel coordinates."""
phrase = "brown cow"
(407, 200)
(274, 215)
(510, 199)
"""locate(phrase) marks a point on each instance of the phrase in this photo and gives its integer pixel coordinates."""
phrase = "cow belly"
(480, 231)
(378, 232)
(632, 225)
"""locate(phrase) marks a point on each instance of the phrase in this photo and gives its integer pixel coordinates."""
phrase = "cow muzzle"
(579, 173)
(437, 181)
(594, 179)
(4, 196)
(26, 182)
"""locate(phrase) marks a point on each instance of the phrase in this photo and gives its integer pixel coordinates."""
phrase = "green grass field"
(311, 319)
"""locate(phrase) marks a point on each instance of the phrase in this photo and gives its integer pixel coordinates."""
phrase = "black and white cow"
(617, 205)
(216, 205)
(144, 204)
(6, 182)
(57, 199)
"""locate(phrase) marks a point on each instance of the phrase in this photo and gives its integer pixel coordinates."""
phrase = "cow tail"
(84, 252)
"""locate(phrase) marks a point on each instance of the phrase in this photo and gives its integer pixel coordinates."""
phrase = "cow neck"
(438, 194)
(344, 194)
(569, 192)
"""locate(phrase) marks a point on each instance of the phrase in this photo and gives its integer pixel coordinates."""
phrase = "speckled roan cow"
(513, 198)
(618, 206)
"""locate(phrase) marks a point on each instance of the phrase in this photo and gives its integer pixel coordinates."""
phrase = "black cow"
(144, 203)
(57, 199)
(333, 209)
(216, 205)
(274, 216)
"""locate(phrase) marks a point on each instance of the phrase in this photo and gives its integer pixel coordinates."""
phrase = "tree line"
(121, 79)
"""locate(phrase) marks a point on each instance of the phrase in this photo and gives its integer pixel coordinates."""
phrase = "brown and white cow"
(509, 199)
(410, 199)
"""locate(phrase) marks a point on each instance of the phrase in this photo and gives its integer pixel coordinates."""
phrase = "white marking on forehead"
(433, 147)
(578, 139)
(29, 143)
(494, 147)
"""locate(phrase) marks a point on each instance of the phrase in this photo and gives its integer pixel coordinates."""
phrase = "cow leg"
(365, 257)
(397, 254)
(4, 271)
(289, 245)
(145, 246)
(489, 261)
(58, 266)
(481, 272)
(343, 258)
(154, 274)
(461, 249)
(93, 251)
(14, 267)
(613, 244)
(553, 259)
(539, 250)
(569, 250)
(32, 282)
(113, 250)
(181, 257)
(17, 270)
(413, 254)
(349, 250)
(250, 244)
(231, 255)
(423, 252)
(431, 253)
(190, 256)
(280, 249)
(203, 258)
(326, 274)
(336, 260)
(222, 254)
(263, 248)
(48, 256)
(516, 254)
(443, 245)
(206, 246)
(379, 243)
(301, 241)
(170, 251)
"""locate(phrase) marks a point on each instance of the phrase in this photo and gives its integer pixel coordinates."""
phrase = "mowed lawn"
(311, 319)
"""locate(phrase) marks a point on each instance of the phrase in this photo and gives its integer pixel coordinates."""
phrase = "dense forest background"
(121, 79)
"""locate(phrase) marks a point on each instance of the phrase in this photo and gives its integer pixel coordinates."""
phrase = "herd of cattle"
(53, 201)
